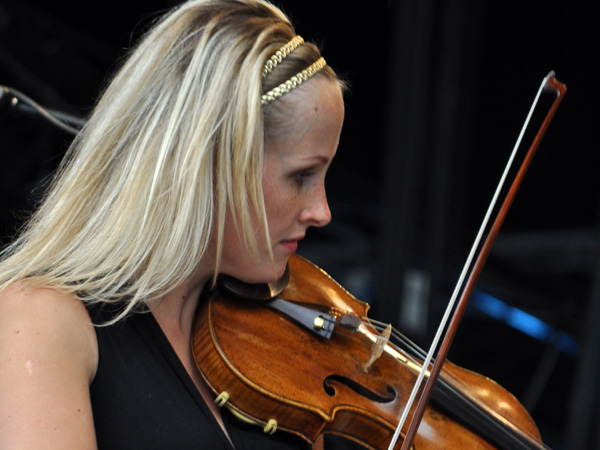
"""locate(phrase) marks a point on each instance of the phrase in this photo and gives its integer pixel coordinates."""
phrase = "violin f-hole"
(329, 388)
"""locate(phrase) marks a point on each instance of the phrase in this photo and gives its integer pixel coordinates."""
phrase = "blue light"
(523, 322)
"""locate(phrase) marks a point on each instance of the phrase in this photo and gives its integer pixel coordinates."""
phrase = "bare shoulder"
(49, 355)
(48, 318)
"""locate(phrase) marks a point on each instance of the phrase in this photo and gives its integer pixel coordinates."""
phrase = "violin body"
(272, 368)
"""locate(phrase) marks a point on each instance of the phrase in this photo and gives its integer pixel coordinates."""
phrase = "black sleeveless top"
(143, 398)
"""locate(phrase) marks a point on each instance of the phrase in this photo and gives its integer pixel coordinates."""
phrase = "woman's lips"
(291, 245)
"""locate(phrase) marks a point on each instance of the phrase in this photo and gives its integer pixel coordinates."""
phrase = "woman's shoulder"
(47, 317)
(49, 356)
(50, 306)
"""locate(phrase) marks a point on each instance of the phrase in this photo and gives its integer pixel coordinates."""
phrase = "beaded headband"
(297, 79)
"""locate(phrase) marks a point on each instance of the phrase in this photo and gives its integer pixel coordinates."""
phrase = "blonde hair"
(176, 140)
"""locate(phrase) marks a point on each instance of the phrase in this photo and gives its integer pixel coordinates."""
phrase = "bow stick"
(550, 83)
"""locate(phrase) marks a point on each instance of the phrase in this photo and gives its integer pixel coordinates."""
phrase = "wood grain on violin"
(276, 371)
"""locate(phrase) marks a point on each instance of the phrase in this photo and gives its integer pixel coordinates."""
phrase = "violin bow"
(549, 84)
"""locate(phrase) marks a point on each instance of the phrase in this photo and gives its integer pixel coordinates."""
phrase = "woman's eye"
(302, 176)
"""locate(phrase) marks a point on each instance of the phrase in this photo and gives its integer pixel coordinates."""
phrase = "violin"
(308, 361)
(301, 355)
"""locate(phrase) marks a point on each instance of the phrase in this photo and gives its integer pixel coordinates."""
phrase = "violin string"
(399, 347)
(399, 337)
(451, 381)
(418, 352)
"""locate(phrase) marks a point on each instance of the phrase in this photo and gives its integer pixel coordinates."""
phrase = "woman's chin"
(274, 275)
(270, 273)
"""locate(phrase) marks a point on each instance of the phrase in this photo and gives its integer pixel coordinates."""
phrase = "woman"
(206, 154)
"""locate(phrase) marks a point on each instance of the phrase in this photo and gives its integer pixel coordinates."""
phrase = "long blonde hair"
(175, 141)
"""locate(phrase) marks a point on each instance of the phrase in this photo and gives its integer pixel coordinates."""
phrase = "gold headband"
(293, 82)
(281, 54)
(297, 79)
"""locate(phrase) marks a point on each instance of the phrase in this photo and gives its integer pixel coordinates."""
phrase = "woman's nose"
(317, 212)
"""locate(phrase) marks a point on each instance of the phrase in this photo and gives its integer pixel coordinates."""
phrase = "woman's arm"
(48, 357)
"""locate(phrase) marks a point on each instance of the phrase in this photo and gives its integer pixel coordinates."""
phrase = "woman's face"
(297, 156)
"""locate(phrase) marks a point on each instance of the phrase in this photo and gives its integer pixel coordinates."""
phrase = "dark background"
(439, 91)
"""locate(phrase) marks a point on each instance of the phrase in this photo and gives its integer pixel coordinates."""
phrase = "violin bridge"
(378, 347)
